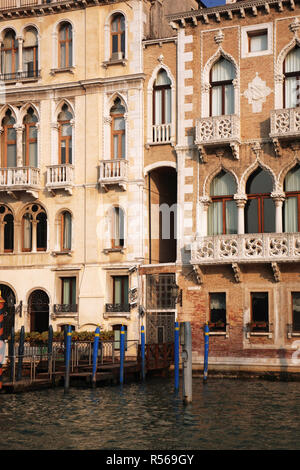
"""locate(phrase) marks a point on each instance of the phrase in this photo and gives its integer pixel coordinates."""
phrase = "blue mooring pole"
(143, 350)
(206, 346)
(12, 354)
(50, 349)
(122, 352)
(21, 353)
(176, 356)
(95, 355)
(68, 355)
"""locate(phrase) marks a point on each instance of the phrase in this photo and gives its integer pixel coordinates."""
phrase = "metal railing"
(12, 4)
(20, 75)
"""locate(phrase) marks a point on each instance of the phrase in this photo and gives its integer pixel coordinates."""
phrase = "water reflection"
(224, 414)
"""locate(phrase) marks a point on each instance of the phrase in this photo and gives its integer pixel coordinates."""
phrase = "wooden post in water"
(206, 347)
(122, 353)
(2, 343)
(176, 357)
(143, 351)
(20, 353)
(95, 355)
(68, 354)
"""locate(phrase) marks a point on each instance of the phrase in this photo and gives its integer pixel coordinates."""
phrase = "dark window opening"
(217, 304)
(259, 311)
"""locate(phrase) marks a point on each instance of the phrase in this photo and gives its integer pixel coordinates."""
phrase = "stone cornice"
(224, 12)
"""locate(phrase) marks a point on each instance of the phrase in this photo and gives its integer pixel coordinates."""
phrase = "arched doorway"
(38, 307)
(9, 309)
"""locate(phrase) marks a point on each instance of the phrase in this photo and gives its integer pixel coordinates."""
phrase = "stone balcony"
(113, 172)
(218, 131)
(285, 126)
(161, 133)
(23, 178)
(270, 248)
(60, 177)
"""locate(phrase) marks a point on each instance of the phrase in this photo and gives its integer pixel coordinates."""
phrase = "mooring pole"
(122, 352)
(187, 362)
(2, 343)
(50, 349)
(143, 350)
(68, 355)
(20, 353)
(206, 347)
(95, 355)
(11, 353)
(176, 356)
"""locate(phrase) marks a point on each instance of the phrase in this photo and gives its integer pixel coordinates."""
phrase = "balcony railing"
(285, 123)
(251, 247)
(11, 4)
(19, 178)
(15, 76)
(113, 172)
(218, 130)
(64, 308)
(60, 177)
(117, 308)
(161, 133)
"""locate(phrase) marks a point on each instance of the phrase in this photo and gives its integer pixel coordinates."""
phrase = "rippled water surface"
(224, 414)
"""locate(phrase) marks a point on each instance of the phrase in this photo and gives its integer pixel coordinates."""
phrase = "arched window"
(65, 135)
(9, 141)
(30, 139)
(30, 53)
(7, 229)
(117, 130)
(222, 213)
(260, 208)
(222, 75)
(65, 231)
(117, 228)
(65, 46)
(291, 208)
(9, 55)
(291, 71)
(118, 37)
(34, 228)
(162, 107)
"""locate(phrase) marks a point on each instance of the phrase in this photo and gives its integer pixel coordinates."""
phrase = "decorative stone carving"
(228, 248)
(295, 25)
(237, 272)
(278, 247)
(253, 247)
(276, 271)
(257, 93)
(219, 37)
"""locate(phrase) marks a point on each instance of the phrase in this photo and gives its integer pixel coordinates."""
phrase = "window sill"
(59, 253)
(62, 70)
(260, 334)
(219, 333)
(110, 62)
(295, 334)
(152, 144)
(113, 250)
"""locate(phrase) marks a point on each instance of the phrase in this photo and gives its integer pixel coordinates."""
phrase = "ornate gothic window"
(30, 53)
(291, 208)
(65, 135)
(34, 228)
(9, 55)
(291, 70)
(118, 146)
(222, 213)
(118, 37)
(222, 75)
(65, 46)
(9, 141)
(30, 139)
(260, 207)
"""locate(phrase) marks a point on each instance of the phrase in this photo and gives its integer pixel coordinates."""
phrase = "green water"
(224, 414)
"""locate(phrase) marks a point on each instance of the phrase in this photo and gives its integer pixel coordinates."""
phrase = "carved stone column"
(241, 200)
(20, 50)
(278, 199)
(34, 235)
(2, 225)
(205, 203)
(19, 131)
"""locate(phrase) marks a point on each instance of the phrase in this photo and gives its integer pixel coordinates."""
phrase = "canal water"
(225, 414)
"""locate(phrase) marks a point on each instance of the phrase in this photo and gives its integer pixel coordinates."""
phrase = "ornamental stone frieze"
(257, 93)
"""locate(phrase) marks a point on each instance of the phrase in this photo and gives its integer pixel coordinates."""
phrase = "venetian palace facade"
(150, 172)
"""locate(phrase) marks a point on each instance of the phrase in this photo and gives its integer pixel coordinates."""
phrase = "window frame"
(260, 210)
(14, 54)
(163, 88)
(252, 29)
(123, 279)
(293, 320)
(222, 84)
(62, 232)
(255, 33)
(286, 75)
(254, 324)
(68, 42)
(224, 200)
(67, 139)
(6, 142)
(119, 135)
(119, 33)
(213, 326)
(35, 55)
(114, 245)
(297, 195)
(72, 285)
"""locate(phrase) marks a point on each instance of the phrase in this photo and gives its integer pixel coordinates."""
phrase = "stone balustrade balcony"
(21, 178)
(218, 131)
(60, 177)
(161, 133)
(285, 125)
(113, 172)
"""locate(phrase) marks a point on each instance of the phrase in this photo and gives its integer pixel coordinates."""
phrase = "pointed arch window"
(291, 71)
(222, 213)
(222, 75)
(118, 37)
(117, 228)
(30, 53)
(65, 46)
(260, 207)
(291, 208)
(9, 55)
(30, 139)
(117, 112)
(65, 135)
(7, 229)
(34, 229)
(66, 231)
(162, 99)
(9, 141)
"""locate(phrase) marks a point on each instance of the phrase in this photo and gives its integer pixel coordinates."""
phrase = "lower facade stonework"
(253, 320)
